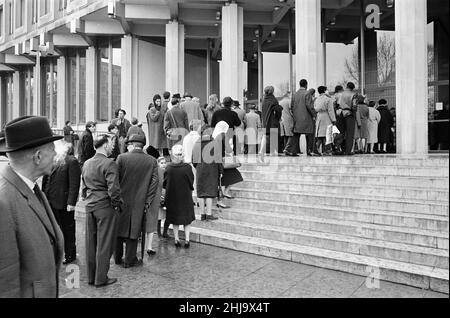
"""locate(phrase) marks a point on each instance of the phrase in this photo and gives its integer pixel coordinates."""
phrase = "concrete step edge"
(348, 197)
(338, 237)
(350, 223)
(363, 260)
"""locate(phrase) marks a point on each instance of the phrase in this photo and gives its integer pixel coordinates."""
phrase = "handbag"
(171, 131)
(231, 163)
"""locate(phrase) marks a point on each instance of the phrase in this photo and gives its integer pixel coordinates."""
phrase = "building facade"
(80, 60)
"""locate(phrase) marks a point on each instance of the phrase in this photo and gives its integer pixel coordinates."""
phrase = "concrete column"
(61, 95)
(129, 73)
(411, 76)
(175, 57)
(232, 76)
(308, 32)
(91, 83)
(18, 94)
(37, 99)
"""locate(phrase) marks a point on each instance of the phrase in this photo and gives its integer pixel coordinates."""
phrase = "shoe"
(222, 206)
(91, 283)
(290, 154)
(109, 281)
(165, 236)
(151, 252)
(187, 244)
(203, 218)
(177, 244)
(119, 262)
(134, 264)
(211, 218)
(228, 196)
(69, 261)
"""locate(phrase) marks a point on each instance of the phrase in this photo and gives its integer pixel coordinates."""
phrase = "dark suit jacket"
(101, 180)
(86, 147)
(226, 115)
(31, 244)
(138, 184)
(63, 185)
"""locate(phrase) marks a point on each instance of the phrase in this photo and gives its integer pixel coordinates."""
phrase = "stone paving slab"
(205, 271)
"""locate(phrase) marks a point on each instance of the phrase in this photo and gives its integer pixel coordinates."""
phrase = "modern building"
(80, 60)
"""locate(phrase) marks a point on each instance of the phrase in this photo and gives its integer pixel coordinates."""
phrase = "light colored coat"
(194, 111)
(287, 121)
(325, 115)
(373, 121)
(31, 245)
(253, 121)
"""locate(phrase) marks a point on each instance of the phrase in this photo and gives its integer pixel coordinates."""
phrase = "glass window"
(20, 12)
(1, 21)
(45, 7)
(116, 76)
(82, 92)
(72, 113)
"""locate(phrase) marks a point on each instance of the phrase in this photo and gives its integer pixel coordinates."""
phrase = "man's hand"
(70, 208)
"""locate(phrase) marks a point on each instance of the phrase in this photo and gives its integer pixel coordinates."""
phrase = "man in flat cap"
(138, 173)
(31, 245)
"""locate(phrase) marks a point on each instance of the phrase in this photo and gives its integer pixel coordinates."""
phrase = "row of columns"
(411, 66)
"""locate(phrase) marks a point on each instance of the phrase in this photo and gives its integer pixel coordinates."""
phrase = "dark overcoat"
(302, 107)
(179, 184)
(385, 125)
(31, 245)
(63, 184)
(138, 175)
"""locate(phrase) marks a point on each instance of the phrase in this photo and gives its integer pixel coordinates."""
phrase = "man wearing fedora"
(138, 185)
(31, 245)
(101, 183)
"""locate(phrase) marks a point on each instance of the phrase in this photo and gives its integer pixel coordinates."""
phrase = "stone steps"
(342, 201)
(396, 234)
(437, 195)
(336, 242)
(334, 178)
(421, 276)
(377, 170)
(380, 217)
(432, 161)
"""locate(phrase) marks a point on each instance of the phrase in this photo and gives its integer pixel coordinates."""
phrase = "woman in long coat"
(373, 121)
(209, 168)
(287, 121)
(323, 105)
(384, 127)
(155, 119)
(179, 184)
(362, 124)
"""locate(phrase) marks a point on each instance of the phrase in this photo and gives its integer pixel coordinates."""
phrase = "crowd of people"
(135, 185)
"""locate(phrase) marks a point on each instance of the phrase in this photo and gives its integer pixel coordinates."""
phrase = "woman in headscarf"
(271, 116)
(179, 184)
(155, 119)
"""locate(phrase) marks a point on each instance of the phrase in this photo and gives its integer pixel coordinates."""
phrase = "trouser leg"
(130, 251)
(310, 143)
(91, 246)
(106, 236)
(349, 134)
(293, 144)
(68, 229)
(118, 253)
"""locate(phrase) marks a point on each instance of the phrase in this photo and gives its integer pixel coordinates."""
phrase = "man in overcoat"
(31, 245)
(302, 109)
(138, 173)
(101, 184)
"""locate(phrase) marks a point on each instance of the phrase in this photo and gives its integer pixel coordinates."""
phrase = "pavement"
(205, 271)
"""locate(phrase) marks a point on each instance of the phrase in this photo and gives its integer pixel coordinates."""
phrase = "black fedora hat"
(27, 132)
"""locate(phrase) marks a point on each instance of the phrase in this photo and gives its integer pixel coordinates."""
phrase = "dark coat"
(68, 134)
(138, 174)
(123, 126)
(385, 125)
(86, 147)
(32, 243)
(176, 118)
(271, 111)
(101, 181)
(135, 130)
(302, 107)
(209, 169)
(179, 184)
(63, 185)
(227, 115)
(155, 120)
(153, 213)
